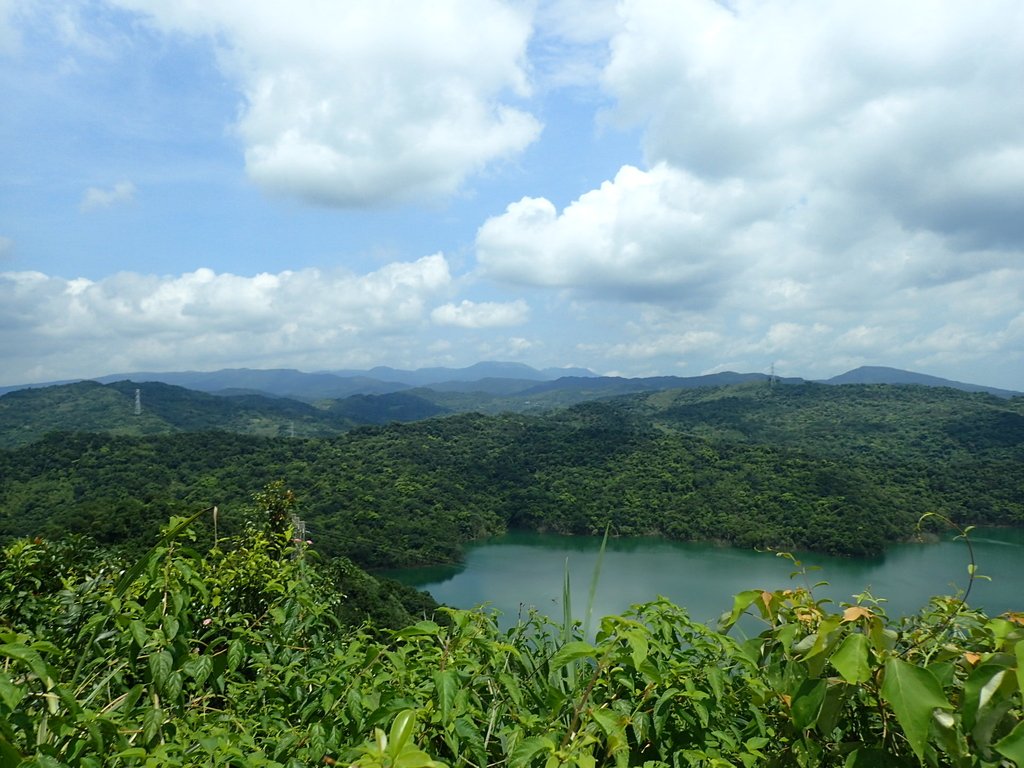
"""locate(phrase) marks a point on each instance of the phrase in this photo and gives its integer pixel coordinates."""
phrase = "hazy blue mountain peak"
(881, 374)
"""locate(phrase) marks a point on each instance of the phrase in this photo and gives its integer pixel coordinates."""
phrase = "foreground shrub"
(235, 657)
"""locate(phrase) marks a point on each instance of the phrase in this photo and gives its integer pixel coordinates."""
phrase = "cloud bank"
(130, 321)
(820, 188)
(367, 102)
(875, 102)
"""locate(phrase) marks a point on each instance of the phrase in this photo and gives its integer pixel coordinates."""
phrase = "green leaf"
(151, 724)
(139, 633)
(613, 725)
(401, 730)
(869, 757)
(198, 668)
(988, 696)
(944, 671)
(807, 703)
(447, 685)
(1018, 651)
(44, 646)
(9, 756)
(471, 738)
(638, 647)
(10, 694)
(414, 758)
(913, 693)
(131, 697)
(95, 736)
(28, 657)
(851, 659)
(570, 652)
(170, 627)
(160, 665)
(948, 735)
(43, 761)
(527, 749)
(172, 687)
(1012, 745)
(831, 709)
(236, 652)
(981, 686)
(740, 603)
(717, 681)
(131, 752)
(826, 627)
(1000, 629)
(419, 628)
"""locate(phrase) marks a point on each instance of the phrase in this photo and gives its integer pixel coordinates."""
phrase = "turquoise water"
(517, 571)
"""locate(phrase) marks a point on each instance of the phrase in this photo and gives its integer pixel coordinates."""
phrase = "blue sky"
(639, 187)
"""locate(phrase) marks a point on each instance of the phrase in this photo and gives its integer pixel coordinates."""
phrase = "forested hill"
(876, 421)
(840, 469)
(227, 400)
(88, 406)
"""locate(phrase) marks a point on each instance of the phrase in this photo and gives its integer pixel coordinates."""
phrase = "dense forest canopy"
(839, 469)
(152, 408)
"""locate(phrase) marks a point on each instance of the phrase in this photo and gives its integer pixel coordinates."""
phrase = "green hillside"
(27, 415)
(838, 469)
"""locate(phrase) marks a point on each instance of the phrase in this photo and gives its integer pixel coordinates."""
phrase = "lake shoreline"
(527, 568)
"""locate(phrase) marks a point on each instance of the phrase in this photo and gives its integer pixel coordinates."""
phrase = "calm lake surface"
(519, 570)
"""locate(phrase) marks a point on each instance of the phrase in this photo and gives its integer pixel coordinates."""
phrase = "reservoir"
(515, 572)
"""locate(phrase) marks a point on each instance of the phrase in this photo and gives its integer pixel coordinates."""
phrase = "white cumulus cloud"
(879, 99)
(131, 321)
(659, 235)
(485, 314)
(368, 101)
(827, 185)
(96, 198)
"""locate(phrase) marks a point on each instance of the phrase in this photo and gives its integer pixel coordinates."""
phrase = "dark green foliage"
(29, 414)
(383, 409)
(839, 469)
(389, 603)
(236, 658)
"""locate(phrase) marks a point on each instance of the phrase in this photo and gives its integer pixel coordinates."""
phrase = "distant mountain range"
(273, 403)
(495, 380)
(283, 403)
(285, 382)
(879, 374)
(425, 377)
